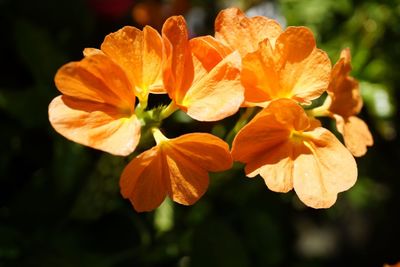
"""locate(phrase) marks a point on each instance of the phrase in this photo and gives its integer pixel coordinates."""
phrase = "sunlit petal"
(188, 181)
(267, 130)
(91, 51)
(205, 82)
(289, 151)
(139, 53)
(143, 182)
(240, 33)
(96, 78)
(343, 90)
(175, 167)
(178, 70)
(208, 151)
(356, 134)
(276, 167)
(304, 70)
(344, 102)
(260, 77)
(218, 94)
(98, 125)
(209, 50)
(323, 168)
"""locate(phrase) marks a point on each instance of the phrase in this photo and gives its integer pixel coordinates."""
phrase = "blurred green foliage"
(60, 203)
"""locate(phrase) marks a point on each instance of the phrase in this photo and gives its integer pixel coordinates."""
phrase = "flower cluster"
(251, 63)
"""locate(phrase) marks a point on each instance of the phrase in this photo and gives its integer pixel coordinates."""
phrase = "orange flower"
(175, 167)
(275, 64)
(139, 54)
(201, 76)
(97, 105)
(98, 101)
(240, 33)
(344, 102)
(281, 146)
(293, 68)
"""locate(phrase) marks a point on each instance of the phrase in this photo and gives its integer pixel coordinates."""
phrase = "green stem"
(171, 108)
(244, 118)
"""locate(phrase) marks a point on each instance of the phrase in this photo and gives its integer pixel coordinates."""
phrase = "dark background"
(60, 203)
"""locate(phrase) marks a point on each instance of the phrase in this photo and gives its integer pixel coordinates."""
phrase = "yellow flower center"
(297, 136)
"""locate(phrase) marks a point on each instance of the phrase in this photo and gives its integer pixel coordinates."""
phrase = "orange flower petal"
(188, 181)
(178, 70)
(96, 78)
(266, 131)
(355, 133)
(240, 33)
(304, 70)
(143, 180)
(208, 151)
(344, 90)
(205, 84)
(260, 77)
(217, 94)
(209, 50)
(177, 167)
(152, 61)
(279, 145)
(344, 101)
(189, 158)
(91, 51)
(139, 53)
(323, 168)
(97, 106)
(98, 125)
(276, 167)
(294, 68)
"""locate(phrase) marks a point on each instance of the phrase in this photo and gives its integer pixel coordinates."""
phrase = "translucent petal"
(240, 33)
(143, 182)
(94, 124)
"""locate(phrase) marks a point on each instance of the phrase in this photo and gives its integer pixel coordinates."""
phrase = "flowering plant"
(274, 74)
